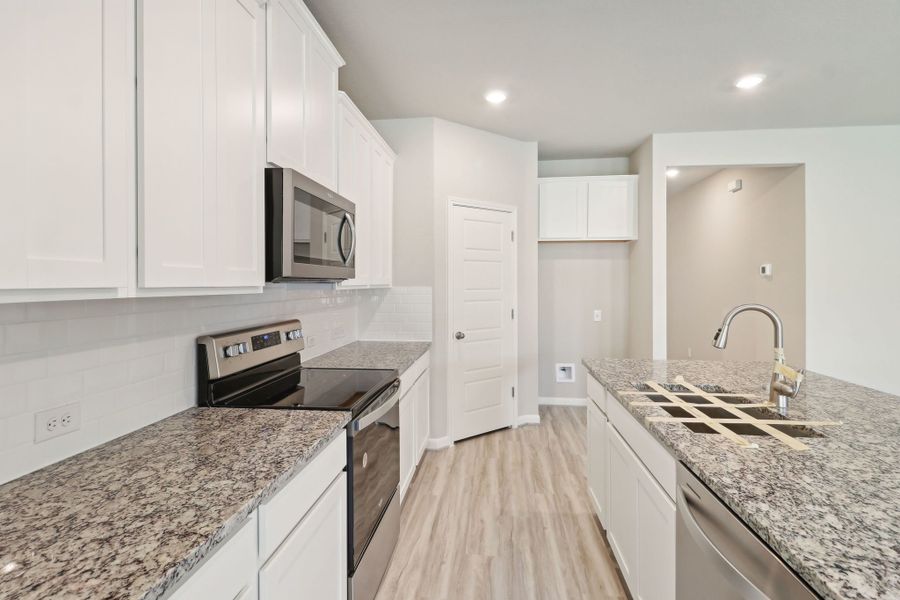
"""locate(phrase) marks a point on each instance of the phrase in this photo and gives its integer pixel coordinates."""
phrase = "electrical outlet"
(310, 341)
(57, 421)
(598, 315)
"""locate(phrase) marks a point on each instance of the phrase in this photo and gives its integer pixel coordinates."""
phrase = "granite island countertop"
(371, 355)
(129, 518)
(832, 512)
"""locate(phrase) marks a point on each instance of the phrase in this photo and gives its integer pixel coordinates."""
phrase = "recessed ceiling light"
(748, 82)
(495, 96)
(672, 172)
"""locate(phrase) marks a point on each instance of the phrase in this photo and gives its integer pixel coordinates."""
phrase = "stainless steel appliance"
(260, 367)
(310, 230)
(717, 556)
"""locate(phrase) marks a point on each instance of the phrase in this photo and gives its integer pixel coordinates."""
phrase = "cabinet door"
(286, 85)
(407, 440)
(611, 208)
(382, 216)
(229, 573)
(312, 561)
(597, 445)
(319, 110)
(66, 163)
(623, 515)
(422, 414)
(202, 89)
(562, 209)
(655, 540)
(355, 183)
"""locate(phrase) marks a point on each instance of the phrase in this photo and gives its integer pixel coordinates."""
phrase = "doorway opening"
(735, 235)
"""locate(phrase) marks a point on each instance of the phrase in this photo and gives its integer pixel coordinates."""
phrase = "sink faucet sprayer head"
(721, 337)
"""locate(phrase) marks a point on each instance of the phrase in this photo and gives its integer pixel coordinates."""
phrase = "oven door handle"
(721, 562)
(373, 416)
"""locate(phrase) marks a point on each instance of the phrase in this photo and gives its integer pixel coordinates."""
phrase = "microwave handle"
(349, 221)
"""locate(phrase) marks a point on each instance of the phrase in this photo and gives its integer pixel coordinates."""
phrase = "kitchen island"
(832, 512)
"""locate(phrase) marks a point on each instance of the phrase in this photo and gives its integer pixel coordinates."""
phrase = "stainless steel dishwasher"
(719, 557)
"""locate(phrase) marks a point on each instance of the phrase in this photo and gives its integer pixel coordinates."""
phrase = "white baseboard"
(439, 443)
(550, 401)
(528, 420)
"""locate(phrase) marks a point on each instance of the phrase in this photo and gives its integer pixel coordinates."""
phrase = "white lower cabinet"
(414, 415)
(622, 528)
(641, 528)
(655, 540)
(299, 536)
(407, 441)
(312, 561)
(598, 461)
(229, 573)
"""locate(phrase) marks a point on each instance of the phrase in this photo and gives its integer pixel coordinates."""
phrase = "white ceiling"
(593, 78)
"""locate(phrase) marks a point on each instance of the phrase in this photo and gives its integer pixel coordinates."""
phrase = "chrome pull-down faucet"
(780, 387)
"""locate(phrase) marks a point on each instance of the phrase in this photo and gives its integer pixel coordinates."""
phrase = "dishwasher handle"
(724, 566)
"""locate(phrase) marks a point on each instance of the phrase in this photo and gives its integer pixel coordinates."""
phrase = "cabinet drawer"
(651, 453)
(281, 513)
(597, 393)
(230, 572)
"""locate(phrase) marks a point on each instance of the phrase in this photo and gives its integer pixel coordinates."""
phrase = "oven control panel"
(234, 351)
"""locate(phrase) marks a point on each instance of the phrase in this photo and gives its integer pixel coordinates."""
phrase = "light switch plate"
(598, 315)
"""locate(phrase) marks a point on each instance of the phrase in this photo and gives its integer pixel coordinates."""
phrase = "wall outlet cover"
(57, 421)
(565, 372)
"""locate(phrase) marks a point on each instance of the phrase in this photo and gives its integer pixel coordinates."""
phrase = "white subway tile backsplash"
(130, 362)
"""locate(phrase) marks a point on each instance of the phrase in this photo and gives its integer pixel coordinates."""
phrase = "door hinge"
(514, 391)
(512, 236)
(512, 313)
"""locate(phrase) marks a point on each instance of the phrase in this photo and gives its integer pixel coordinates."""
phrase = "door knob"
(460, 335)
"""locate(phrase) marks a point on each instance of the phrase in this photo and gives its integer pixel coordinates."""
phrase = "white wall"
(852, 240)
(583, 167)
(640, 264)
(458, 161)
(131, 362)
(477, 165)
(574, 279)
(717, 241)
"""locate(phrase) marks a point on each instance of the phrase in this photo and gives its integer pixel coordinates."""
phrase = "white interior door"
(482, 298)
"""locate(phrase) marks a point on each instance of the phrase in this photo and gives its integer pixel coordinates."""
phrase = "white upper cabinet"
(201, 122)
(602, 208)
(563, 209)
(67, 149)
(366, 178)
(302, 93)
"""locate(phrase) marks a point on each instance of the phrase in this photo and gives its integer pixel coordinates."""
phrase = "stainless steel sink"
(707, 407)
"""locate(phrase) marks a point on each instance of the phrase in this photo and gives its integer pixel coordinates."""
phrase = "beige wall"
(852, 241)
(717, 241)
(583, 167)
(413, 141)
(574, 279)
(640, 265)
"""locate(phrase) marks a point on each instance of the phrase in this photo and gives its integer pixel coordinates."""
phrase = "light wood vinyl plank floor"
(504, 516)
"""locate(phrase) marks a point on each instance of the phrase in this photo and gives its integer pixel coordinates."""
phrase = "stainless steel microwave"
(310, 230)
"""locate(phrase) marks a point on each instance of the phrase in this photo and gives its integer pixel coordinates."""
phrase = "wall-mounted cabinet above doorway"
(601, 208)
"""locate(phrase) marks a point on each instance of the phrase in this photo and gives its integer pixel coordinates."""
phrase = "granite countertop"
(833, 511)
(371, 355)
(130, 518)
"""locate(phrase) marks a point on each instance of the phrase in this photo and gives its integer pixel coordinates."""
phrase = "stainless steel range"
(260, 367)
